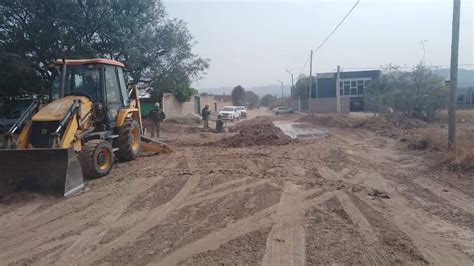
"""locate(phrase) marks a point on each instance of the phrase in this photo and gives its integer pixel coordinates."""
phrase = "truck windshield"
(228, 109)
(80, 80)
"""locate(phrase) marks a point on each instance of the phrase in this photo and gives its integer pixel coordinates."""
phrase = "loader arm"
(135, 103)
(23, 121)
(147, 144)
(70, 121)
(48, 144)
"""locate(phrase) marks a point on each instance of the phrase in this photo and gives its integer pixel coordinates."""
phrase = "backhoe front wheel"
(96, 158)
(128, 141)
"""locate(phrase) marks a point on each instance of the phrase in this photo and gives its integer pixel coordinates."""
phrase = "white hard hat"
(157, 104)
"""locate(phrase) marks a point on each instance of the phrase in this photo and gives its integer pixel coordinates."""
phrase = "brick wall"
(328, 105)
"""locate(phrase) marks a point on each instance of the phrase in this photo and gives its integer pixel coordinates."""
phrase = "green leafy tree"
(301, 87)
(154, 48)
(238, 96)
(416, 93)
(252, 99)
(267, 100)
(177, 83)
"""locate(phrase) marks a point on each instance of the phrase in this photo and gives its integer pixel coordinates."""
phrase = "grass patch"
(461, 158)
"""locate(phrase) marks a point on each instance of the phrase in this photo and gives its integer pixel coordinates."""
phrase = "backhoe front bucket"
(152, 145)
(48, 171)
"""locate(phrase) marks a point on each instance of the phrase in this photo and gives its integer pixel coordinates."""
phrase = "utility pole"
(281, 90)
(299, 103)
(310, 81)
(291, 90)
(453, 75)
(338, 90)
(292, 82)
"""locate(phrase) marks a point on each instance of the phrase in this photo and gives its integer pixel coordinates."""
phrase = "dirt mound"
(194, 130)
(169, 127)
(258, 134)
(330, 120)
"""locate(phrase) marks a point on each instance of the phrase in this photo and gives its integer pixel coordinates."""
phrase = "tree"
(417, 93)
(154, 48)
(252, 99)
(267, 100)
(301, 87)
(238, 96)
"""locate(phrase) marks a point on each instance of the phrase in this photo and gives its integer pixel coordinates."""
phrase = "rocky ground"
(255, 196)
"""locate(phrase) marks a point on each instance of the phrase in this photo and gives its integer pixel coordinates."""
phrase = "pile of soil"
(330, 120)
(194, 130)
(169, 127)
(253, 135)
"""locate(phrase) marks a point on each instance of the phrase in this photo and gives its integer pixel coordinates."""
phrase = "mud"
(258, 134)
(208, 203)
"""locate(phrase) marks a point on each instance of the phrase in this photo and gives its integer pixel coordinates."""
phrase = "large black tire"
(97, 158)
(128, 141)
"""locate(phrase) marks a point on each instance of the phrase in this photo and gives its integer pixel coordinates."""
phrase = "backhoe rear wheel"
(96, 158)
(128, 141)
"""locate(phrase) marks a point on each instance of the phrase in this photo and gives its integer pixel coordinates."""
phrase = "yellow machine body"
(52, 139)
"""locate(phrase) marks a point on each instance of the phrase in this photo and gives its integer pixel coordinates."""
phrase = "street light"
(281, 82)
(292, 83)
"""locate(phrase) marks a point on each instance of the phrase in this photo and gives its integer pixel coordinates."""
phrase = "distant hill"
(465, 76)
(259, 90)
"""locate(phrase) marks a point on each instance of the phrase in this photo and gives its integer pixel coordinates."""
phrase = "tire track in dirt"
(50, 213)
(255, 222)
(454, 197)
(286, 241)
(414, 224)
(71, 227)
(153, 217)
(197, 199)
(357, 218)
(219, 188)
(424, 230)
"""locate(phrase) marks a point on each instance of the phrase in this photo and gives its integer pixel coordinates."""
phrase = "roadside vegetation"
(416, 93)
(155, 48)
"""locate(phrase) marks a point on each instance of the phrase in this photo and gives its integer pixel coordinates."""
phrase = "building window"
(367, 83)
(347, 87)
(360, 87)
(354, 87)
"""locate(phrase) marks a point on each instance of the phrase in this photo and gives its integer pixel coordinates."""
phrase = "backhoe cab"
(92, 119)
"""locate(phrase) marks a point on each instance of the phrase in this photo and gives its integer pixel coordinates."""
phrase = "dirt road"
(347, 197)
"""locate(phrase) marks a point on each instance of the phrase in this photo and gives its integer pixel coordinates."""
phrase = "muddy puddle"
(300, 130)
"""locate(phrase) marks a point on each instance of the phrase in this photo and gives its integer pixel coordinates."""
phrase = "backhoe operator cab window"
(115, 98)
(80, 80)
(101, 83)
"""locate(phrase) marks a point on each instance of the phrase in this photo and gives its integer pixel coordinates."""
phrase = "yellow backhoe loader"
(92, 119)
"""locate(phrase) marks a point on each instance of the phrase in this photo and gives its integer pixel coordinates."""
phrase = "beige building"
(174, 108)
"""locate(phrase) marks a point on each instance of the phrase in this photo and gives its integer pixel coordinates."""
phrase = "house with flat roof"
(351, 86)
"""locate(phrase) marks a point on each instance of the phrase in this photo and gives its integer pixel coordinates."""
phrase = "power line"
(405, 67)
(302, 69)
(327, 38)
(338, 25)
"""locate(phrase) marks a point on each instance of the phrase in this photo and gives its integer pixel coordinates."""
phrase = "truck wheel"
(128, 141)
(96, 158)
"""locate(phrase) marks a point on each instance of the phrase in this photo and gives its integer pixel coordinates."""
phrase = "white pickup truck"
(230, 113)
(243, 111)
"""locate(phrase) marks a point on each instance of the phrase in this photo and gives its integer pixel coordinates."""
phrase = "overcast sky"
(252, 42)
